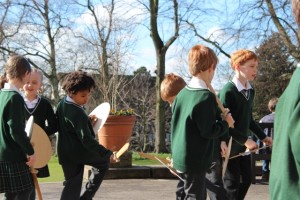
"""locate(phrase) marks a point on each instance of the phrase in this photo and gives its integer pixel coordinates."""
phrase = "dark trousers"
(214, 181)
(24, 195)
(237, 179)
(73, 181)
(192, 187)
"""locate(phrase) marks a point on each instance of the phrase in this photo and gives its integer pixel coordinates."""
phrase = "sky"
(208, 20)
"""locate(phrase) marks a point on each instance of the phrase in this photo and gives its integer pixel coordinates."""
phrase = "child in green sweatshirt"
(285, 168)
(194, 127)
(237, 95)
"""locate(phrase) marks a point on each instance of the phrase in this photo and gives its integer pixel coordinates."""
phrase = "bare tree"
(10, 24)
(251, 22)
(40, 29)
(161, 48)
(110, 38)
(143, 100)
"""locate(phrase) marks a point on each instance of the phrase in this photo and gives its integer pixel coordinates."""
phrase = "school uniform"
(284, 176)
(194, 130)
(15, 177)
(77, 147)
(214, 181)
(239, 100)
(42, 111)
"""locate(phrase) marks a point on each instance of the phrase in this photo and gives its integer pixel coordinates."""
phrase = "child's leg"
(246, 174)
(194, 186)
(95, 179)
(232, 178)
(214, 182)
(180, 190)
(28, 194)
(73, 181)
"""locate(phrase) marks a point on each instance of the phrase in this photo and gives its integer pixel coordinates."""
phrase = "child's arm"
(205, 115)
(16, 124)
(51, 127)
(85, 134)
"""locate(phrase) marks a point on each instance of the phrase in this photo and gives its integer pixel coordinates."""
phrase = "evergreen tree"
(275, 67)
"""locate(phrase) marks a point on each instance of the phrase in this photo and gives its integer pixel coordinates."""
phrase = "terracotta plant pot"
(116, 131)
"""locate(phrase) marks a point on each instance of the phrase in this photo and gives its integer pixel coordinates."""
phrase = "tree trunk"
(160, 133)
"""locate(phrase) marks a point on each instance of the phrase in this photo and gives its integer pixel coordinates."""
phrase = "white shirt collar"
(197, 83)
(8, 86)
(239, 85)
(31, 104)
(69, 99)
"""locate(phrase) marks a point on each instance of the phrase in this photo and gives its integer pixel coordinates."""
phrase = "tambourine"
(41, 143)
(101, 112)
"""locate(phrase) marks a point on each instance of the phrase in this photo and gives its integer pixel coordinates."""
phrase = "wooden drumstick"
(36, 184)
(224, 111)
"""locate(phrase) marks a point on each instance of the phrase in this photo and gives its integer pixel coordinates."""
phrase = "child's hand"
(251, 145)
(229, 120)
(171, 162)
(31, 160)
(113, 158)
(268, 141)
(93, 119)
(224, 148)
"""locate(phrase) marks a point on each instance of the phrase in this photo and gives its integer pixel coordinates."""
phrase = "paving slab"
(141, 189)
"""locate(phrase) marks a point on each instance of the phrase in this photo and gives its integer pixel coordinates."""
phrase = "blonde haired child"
(40, 108)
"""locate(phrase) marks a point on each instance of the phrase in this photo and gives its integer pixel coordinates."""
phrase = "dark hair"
(77, 81)
(16, 67)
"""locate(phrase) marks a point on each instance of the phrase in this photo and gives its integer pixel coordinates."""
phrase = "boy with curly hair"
(77, 145)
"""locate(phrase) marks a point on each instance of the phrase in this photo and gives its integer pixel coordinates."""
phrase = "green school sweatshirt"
(194, 129)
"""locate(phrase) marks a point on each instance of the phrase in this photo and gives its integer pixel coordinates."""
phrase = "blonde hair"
(171, 86)
(241, 56)
(39, 72)
(296, 10)
(201, 58)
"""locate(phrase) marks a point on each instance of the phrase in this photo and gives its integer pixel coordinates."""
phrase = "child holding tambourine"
(41, 110)
(77, 145)
(16, 152)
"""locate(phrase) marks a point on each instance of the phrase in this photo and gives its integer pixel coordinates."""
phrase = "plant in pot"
(116, 132)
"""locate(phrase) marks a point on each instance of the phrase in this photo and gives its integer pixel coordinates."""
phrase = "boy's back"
(193, 130)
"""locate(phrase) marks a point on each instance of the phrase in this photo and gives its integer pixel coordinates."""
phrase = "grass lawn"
(56, 173)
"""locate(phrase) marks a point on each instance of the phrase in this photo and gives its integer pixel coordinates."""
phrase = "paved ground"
(141, 183)
(141, 189)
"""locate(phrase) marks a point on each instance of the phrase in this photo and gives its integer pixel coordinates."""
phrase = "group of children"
(199, 133)
(200, 136)
(77, 145)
